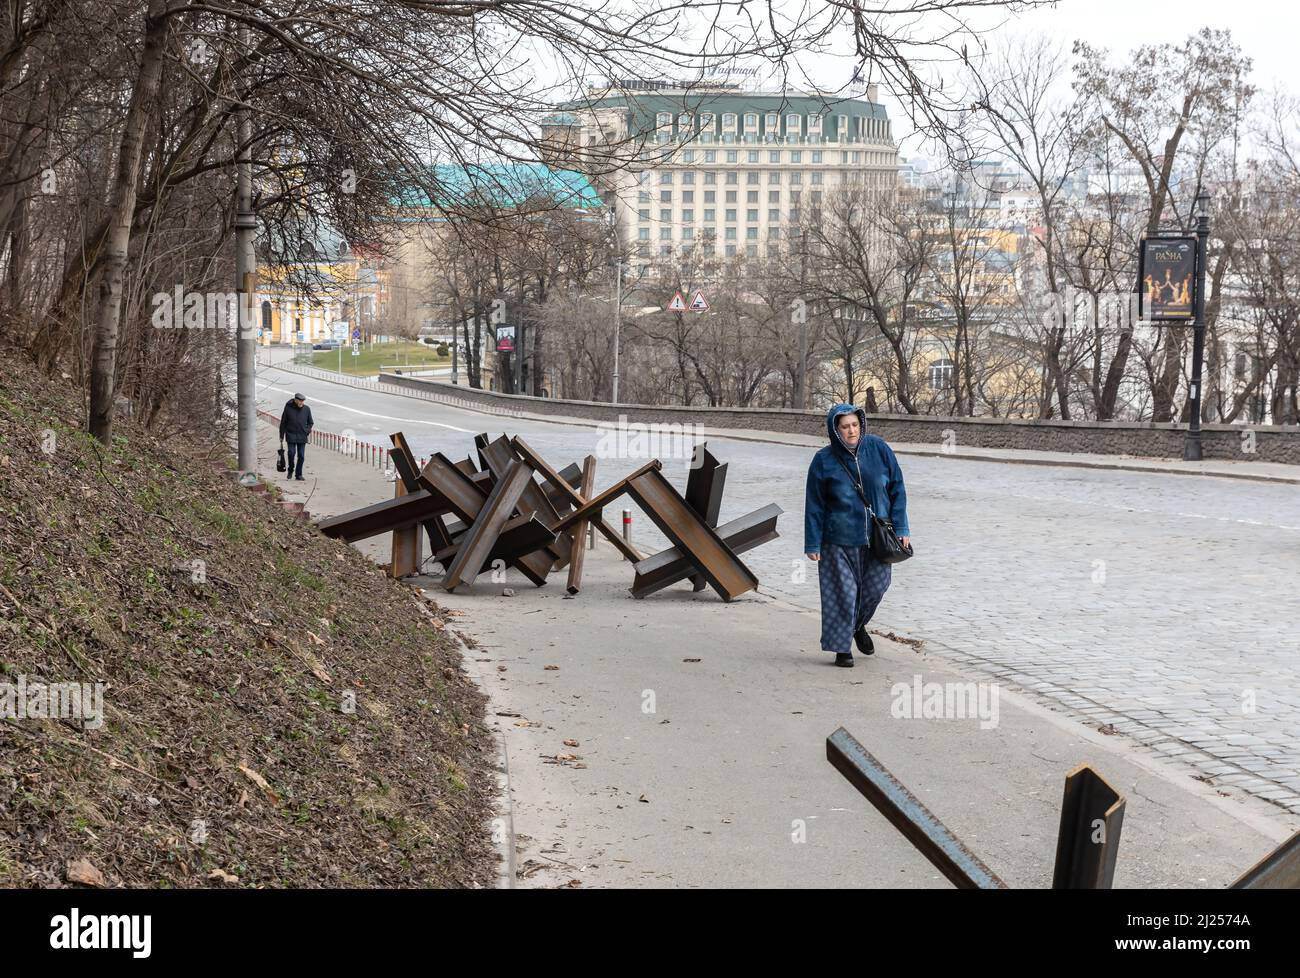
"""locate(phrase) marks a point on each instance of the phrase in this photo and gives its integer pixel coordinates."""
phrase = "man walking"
(295, 428)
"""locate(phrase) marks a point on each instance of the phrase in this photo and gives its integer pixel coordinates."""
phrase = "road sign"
(356, 332)
(699, 303)
(356, 351)
(340, 331)
(505, 338)
(678, 303)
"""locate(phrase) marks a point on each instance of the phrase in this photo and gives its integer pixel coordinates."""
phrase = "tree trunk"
(122, 209)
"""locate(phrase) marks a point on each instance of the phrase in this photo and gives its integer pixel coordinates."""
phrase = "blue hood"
(834, 435)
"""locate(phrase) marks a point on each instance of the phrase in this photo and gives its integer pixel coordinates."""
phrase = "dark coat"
(833, 510)
(295, 423)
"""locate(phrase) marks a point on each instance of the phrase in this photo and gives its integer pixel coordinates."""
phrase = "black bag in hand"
(881, 538)
(280, 464)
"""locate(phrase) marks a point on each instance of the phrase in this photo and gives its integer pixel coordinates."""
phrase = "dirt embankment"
(275, 712)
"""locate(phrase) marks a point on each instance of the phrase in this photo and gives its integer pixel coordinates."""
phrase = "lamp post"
(1192, 439)
(618, 295)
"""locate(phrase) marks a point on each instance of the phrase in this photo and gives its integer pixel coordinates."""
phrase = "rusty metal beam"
(1087, 843)
(906, 813)
(391, 514)
(704, 487)
(496, 457)
(409, 473)
(724, 571)
(492, 517)
(405, 558)
(521, 535)
(1279, 870)
(466, 498)
(579, 552)
(670, 566)
(562, 485)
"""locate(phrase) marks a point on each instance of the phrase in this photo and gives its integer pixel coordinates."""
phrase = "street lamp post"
(618, 297)
(1192, 439)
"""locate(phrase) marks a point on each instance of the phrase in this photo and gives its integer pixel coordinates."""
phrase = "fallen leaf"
(690, 660)
(83, 871)
(552, 668)
(223, 876)
(570, 743)
(501, 668)
(644, 799)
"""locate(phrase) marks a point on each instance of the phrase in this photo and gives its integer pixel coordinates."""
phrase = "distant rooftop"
(503, 185)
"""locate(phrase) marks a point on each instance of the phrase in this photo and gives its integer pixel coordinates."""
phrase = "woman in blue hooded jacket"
(851, 581)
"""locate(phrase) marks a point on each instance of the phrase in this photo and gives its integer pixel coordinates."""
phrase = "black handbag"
(881, 538)
(280, 464)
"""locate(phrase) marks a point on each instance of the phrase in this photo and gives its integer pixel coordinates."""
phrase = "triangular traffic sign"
(699, 303)
(678, 303)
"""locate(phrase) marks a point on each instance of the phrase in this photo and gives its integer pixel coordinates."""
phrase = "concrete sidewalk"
(700, 743)
(1226, 469)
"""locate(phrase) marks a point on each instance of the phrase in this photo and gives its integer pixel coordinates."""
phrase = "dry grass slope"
(228, 755)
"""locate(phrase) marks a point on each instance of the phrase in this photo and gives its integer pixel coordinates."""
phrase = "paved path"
(713, 772)
(1162, 607)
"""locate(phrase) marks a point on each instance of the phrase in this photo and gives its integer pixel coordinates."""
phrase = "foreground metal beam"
(670, 566)
(1092, 815)
(704, 487)
(496, 456)
(405, 557)
(1279, 870)
(521, 535)
(906, 813)
(409, 473)
(689, 533)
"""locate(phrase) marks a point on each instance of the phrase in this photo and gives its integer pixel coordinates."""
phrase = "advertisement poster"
(505, 338)
(1167, 279)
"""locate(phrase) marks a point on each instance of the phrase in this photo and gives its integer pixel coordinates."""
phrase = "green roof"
(502, 185)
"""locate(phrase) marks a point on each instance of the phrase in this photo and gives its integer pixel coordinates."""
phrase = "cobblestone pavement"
(1163, 607)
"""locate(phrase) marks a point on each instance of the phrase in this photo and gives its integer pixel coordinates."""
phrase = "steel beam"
(579, 552)
(906, 813)
(391, 514)
(1279, 870)
(690, 534)
(1087, 843)
(670, 566)
(496, 457)
(704, 487)
(492, 517)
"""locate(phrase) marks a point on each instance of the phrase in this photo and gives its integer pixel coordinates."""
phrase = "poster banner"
(1167, 279)
(505, 338)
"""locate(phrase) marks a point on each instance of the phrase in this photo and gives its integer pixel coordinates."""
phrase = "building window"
(941, 375)
(751, 197)
(792, 124)
(751, 251)
(688, 214)
(663, 119)
(643, 214)
(733, 178)
(709, 213)
(751, 234)
(731, 155)
(688, 156)
(643, 196)
(728, 122)
(710, 196)
(643, 234)
(773, 234)
(751, 120)
(817, 176)
(666, 176)
(688, 177)
(688, 234)
(731, 251)
(774, 214)
(706, 121)
(666, 250)
(665, 214)
(774, 196)
(665, 234)
(796, 177)
(710, 177)
(815, 124)
(731, 196)
(751, 177)
(688, 196)
(684, 123)
(753, 156)
(796, 156)
(731, 213)
(751, 215)
(731, 234)
(665, 196)
(710, 155)
(647, 176)
(774, 176)
(773, 123)
(816, 156)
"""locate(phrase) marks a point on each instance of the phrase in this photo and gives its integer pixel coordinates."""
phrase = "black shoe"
(844, 659)
(299, 478)
(863, 641)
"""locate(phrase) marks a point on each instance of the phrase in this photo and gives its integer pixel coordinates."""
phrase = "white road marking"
(381, 417)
